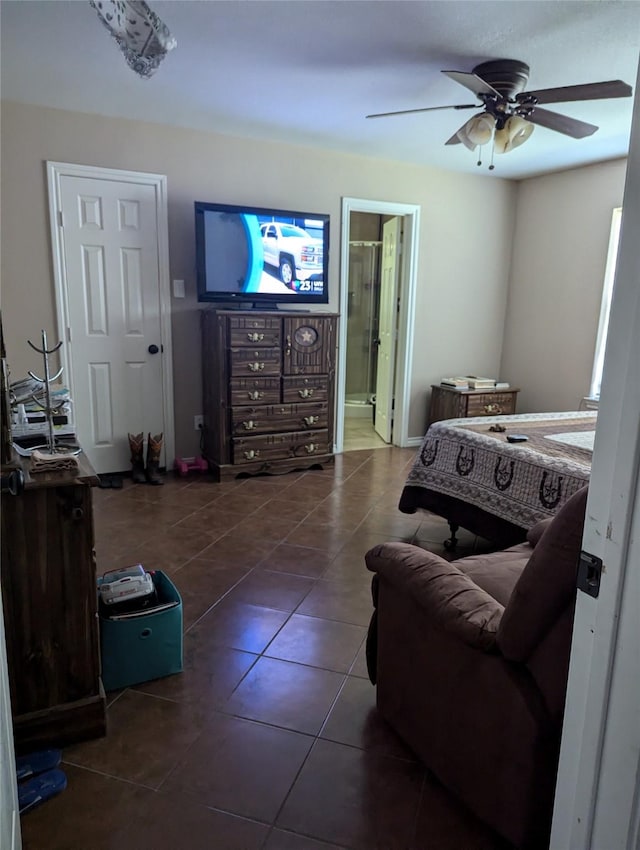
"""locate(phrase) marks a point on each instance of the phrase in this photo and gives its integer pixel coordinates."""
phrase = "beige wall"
(465, 238)
(560, 250)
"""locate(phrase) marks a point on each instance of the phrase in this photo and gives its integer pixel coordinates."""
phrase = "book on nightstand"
(476, 383)
(455, 383)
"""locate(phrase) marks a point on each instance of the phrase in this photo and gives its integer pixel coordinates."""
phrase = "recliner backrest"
(547, 585)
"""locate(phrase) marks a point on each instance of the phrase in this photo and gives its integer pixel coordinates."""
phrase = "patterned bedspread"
(518, 482)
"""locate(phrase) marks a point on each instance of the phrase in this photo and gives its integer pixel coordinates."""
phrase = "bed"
(468, 473)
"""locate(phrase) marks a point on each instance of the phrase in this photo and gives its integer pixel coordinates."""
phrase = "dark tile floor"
(270, 737)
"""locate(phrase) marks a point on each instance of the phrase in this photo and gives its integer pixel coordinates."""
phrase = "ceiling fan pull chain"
(479, 162)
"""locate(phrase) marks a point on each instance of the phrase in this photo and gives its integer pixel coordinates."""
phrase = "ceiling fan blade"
(472, 82)
(424, 109)
(587, 91)
(455, 139)
(561, 123)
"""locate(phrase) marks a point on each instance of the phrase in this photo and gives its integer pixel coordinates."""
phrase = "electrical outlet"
(198, 423)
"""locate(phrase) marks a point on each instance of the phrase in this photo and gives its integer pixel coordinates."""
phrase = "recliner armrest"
(447, 595)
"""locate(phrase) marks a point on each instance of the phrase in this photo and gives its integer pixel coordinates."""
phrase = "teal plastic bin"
(145, 647)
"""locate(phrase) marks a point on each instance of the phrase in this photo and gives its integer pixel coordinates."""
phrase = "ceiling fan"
(509, 112)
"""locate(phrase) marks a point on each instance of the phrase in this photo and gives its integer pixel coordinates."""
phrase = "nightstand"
(448, 403)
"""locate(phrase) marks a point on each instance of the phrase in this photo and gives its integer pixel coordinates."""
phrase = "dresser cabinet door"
(49, 594)
(309, 346)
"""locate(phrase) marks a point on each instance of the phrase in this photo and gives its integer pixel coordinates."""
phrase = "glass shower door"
(362, 321)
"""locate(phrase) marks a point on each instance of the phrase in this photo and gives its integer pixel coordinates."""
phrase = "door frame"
(55, 172)
(597, 801)
(9, 807)
(407, 285)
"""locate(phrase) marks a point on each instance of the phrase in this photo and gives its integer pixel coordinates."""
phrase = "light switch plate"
(178, 289)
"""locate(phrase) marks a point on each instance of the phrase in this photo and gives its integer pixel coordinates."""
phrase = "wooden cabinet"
(269, 383)
(447, 403)
(50, 609)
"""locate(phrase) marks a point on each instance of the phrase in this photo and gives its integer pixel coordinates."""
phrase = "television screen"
(252, 254)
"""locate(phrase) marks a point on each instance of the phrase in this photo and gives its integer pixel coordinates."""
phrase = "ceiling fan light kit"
(515, 132)
(477, 131)
(510, 113)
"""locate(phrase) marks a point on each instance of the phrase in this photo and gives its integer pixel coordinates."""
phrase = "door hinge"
(68, 334)
(589, 574)
(60, 218)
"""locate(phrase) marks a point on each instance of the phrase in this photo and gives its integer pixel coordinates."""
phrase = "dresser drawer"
(252, 330)
(314, 388)
(280, 447)
(254, 390)
(491, 404)
(268, 418)
(255, 361)
(249, 338)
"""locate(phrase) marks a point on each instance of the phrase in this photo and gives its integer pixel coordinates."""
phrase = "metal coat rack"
(48, 407)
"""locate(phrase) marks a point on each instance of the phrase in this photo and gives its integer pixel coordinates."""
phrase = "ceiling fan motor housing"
(507, 76)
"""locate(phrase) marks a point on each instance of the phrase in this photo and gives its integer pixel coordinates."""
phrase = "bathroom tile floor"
(269, 739)
(359, 433)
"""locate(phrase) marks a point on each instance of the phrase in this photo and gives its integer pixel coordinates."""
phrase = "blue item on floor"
(35, 763)
(138, 647)
(40, 788)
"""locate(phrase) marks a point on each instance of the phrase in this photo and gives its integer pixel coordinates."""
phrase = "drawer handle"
(305, 393)
(255, 395)
(288, 348)
(309, 420)
(310, 448)
(255, 337)
(251, 454)
(255, 367)
(250, 425)
(493, 408)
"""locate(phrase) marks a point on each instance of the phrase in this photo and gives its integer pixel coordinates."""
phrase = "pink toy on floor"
(184, 465)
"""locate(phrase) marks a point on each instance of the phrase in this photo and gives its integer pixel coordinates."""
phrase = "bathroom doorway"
(379, 261)
(363, 317)
(364, 284)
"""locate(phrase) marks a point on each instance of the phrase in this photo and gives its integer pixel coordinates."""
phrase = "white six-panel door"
(108, 239)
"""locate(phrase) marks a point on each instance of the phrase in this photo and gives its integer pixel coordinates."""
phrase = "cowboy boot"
(136, 444)
(154, 449)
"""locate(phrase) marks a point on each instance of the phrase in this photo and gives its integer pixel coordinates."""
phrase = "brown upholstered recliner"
(470, 660)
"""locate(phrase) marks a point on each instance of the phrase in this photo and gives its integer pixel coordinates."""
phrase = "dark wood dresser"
(448, 403)
(269, 387)
(48, 583)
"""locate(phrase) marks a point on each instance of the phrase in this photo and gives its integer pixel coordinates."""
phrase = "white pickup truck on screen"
(296, 254)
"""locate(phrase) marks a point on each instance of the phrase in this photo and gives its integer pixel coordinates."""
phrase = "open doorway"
(378, 274)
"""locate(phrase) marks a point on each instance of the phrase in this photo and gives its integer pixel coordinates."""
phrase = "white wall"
(465, 239)
(560, 247)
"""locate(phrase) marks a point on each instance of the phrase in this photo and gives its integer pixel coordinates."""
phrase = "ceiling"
(308, 71)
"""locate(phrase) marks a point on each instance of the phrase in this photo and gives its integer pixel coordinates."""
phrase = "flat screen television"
(261, 257)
